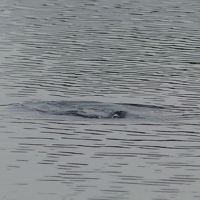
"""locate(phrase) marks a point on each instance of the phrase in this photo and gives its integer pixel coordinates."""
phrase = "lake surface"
(145, 53)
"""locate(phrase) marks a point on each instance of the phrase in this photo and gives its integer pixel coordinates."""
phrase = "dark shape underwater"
(114, 114)
(84, 109)
(91, 109)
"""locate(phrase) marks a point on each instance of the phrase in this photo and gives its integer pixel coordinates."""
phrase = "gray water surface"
(141, 57)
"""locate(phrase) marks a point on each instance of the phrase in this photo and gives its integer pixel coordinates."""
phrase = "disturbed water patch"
(92, 110)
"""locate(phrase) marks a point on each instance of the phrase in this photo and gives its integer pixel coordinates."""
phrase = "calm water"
(110, 51)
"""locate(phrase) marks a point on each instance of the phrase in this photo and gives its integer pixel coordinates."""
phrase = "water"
(112, 52)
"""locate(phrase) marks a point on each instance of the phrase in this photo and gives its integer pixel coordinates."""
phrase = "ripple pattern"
(124, 52)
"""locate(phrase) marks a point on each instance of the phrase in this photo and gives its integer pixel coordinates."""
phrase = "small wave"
(90, 109)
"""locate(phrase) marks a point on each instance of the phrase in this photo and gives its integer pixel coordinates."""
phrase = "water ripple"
(123, 54)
